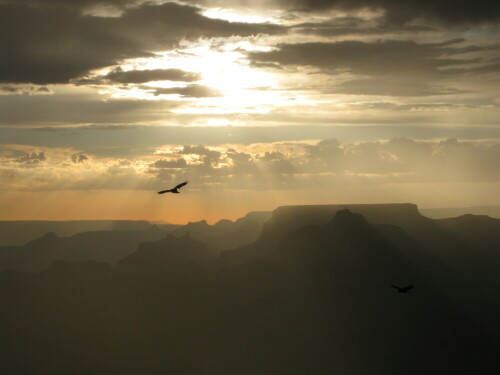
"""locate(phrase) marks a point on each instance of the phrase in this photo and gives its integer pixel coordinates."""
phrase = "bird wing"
(408, 288)
(181, 185)
(164, 191)
(394, 286)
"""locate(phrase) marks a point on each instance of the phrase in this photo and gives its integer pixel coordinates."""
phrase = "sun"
(247, 16)
(223, 69)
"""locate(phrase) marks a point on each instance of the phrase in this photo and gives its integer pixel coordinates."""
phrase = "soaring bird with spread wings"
(175, 190)
(406, 289)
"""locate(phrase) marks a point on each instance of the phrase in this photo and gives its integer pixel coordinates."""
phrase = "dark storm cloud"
(143, 76)
(47, 44)
(401, 11)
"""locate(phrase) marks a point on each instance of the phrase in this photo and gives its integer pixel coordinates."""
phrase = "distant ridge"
(444, 213)
(98, 246)
(288, 218)
(14, 233)
(311, 295)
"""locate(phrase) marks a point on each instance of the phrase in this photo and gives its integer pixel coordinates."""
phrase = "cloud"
(397, 11)
(79, 158)
(50, 44)
(384, 67)
(401, 11)
(24, 90)
(190, 91)
(370, 58)
(391, 86)
(73, 4)
(198, 150)
(33, 158)
(79, 109)
(143, 76)
(134, 141)
(170, 163)
(399, 160)
(284, 165)
(351, 25)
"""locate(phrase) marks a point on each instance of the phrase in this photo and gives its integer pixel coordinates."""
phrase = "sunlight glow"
(222, 70)
(243, 90)
(232, 15)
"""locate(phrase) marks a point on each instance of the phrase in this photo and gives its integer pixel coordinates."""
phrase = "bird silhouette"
(174, 190)
(406, 289)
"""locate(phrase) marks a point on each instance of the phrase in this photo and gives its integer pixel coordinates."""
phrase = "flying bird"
(406, 289)
(175, 190)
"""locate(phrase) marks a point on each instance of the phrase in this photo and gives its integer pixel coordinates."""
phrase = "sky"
(257, 104)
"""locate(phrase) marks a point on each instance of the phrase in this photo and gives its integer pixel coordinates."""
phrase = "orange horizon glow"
(214, 205)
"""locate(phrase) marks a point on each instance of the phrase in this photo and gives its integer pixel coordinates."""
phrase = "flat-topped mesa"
(258, 216)
(348, 217)
(289, 218)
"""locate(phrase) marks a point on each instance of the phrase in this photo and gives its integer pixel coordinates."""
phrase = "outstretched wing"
(181, 185)
(408, 288)
(396, 287)
(164, 191)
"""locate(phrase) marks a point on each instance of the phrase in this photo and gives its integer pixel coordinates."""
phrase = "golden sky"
(104, 102)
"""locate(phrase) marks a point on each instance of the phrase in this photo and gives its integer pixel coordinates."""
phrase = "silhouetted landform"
(312, 295)
(169, 255)
(223, 235)
(227, 234)
(287, 219)
(111, 246)
(101, 246)
(15, 233)
(480, 232)
(442, 213)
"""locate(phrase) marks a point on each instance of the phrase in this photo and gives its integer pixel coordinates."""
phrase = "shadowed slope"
(168, 254)
(332, 282)
(16, 233)
(100, 246)
(317, 299)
